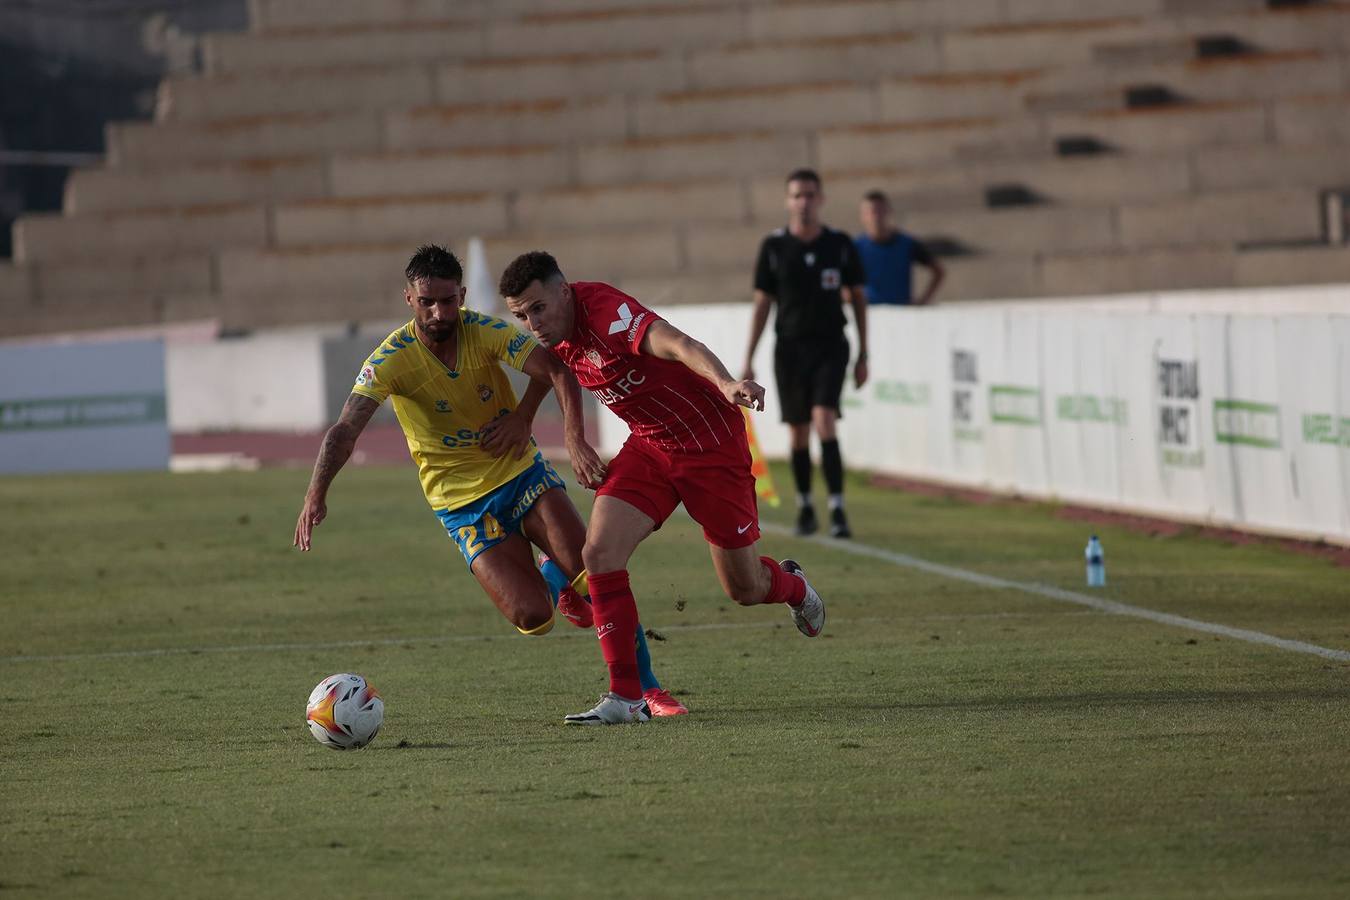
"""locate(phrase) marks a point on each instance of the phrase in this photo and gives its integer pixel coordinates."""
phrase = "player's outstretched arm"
(337, 447)
(664, 341)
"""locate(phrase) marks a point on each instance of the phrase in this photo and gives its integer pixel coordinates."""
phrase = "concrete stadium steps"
(957, 95)
(299, 91)
(1147, 270)
(862, 57)
(563, 210)
(18, 290)
(1237, 217)
(267, 15)
(378, 268)
(695, 157)
(1271, 165)
(907, 143)
(561, 122)
(371, 270)
(1324, 25)
(1085, 181)
(177, 143)
(1258, 76)
(1183, 126)
(1292, 265)
(158, 275)
(253, 181)
(1307, 120)
(608, 66)
(444, 218)
(447, 171)
(45, 237)
(372, 81)
(327, 45)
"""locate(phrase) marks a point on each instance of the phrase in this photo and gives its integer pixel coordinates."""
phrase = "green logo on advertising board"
(1014, 405)
(1247, 423)
(1323, 428)
(1091, 408)
(902, 393)
(81, 412)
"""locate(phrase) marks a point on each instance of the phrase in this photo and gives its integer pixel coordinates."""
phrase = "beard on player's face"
(435, 304)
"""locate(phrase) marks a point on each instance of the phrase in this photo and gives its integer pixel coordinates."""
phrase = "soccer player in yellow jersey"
(469, 438)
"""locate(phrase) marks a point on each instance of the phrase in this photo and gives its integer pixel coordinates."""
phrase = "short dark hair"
(525, 270)
(432, 261)
(875, 196)
(803, 175)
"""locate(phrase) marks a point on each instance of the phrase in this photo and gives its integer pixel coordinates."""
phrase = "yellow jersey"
(442, 409)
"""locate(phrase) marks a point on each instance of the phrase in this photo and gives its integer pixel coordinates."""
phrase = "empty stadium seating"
(1151, 144)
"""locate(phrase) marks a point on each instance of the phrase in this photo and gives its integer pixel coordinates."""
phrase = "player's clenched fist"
(745, 393)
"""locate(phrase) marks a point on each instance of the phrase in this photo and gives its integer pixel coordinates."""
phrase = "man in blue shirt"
(888, 255)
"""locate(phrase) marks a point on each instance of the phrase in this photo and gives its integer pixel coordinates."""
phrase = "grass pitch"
(941, 739)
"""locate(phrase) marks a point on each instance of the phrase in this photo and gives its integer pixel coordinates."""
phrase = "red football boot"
(574, 609)
(661, 703)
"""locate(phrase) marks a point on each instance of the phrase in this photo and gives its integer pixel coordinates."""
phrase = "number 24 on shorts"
(492, 531)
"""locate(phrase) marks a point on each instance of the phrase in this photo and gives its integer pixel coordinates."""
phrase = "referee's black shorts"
(810, 372)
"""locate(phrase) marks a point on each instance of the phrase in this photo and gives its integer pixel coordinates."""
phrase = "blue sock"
(554, 578)
(644, 661)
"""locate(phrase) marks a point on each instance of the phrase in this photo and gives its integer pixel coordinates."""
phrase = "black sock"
(833, 465)
(801, 470)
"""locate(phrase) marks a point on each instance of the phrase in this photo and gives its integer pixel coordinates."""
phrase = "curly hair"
(525, 270)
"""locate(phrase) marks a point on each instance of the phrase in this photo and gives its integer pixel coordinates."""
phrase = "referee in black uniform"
(809, 270)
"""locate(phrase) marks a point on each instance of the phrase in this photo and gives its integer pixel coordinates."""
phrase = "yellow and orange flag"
(758, 467)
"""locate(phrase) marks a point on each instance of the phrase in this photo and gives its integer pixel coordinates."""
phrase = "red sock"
(616, 620)
(783, 588)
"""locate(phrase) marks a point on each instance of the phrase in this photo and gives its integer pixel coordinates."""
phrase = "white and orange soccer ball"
(344, 712)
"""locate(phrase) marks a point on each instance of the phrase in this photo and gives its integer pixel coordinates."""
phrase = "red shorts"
(716, 488)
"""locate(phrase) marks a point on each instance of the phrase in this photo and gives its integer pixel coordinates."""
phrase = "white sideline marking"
(900, 559)
(1054, 593)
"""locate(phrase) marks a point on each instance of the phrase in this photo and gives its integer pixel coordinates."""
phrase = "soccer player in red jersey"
(687, 446)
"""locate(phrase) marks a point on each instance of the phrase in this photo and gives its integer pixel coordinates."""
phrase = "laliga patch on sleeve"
(366, 377)
(829, 279)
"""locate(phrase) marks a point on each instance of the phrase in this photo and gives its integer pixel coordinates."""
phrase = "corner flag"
(758, 467)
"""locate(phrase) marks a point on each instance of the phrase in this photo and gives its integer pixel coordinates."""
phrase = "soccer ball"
(344, 712)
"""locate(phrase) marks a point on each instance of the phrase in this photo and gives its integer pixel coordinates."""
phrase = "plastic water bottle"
(1096, 563)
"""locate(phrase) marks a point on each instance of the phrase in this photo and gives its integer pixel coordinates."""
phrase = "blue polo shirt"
(888, 266)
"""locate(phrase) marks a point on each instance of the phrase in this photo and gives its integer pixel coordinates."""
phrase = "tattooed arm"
(336, 450)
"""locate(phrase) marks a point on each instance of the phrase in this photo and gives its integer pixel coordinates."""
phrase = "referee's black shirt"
(805, 279)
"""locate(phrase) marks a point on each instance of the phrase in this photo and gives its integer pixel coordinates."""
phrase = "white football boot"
(612, 710)
(809, 617)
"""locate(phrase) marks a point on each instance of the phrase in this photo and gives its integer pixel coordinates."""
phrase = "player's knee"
(599, 558)
(533, 624)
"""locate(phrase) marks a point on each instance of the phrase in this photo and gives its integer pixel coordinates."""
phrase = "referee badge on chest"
(829, 279)
(809, 259)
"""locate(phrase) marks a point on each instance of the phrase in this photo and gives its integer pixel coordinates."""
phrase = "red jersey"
(663, 401)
